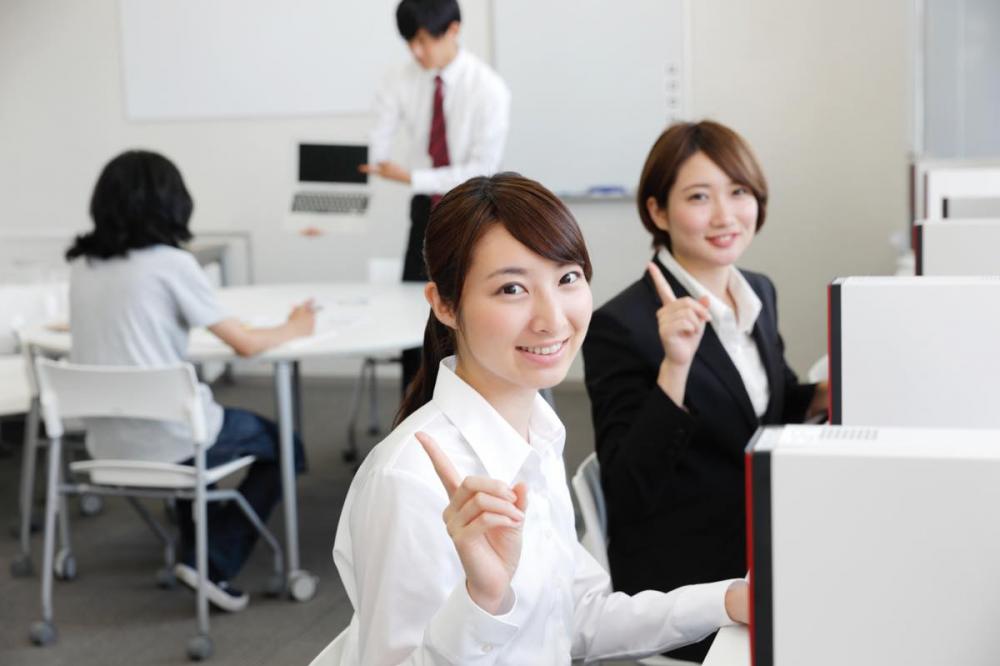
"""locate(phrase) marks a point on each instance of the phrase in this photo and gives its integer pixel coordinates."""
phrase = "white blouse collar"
(495, 442)
(748, 304)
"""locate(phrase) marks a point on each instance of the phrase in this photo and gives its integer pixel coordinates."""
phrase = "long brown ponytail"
(531, 214)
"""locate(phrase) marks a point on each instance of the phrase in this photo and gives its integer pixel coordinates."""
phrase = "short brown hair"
(680, 141)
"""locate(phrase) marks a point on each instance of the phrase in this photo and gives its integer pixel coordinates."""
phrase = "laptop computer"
(329, 189)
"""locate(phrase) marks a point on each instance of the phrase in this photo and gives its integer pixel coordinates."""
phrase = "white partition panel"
(957, 247)
(944, 187)
(915, 351)
(875, 546)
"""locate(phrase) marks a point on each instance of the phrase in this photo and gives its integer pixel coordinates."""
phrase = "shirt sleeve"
(610, 624)
(407, 583)
(492, 121)
(196, 299)
(388, 112)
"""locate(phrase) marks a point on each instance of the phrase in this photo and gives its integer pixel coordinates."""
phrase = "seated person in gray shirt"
(134, 296)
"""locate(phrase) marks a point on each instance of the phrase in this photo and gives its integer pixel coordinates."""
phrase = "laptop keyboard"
(329, 202)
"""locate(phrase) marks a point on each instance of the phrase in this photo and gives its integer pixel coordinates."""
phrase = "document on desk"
(332, 319)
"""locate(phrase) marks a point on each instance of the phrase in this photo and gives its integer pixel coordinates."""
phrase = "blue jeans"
(230, 535)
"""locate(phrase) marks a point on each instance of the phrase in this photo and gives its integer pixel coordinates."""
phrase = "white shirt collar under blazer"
(748, 304)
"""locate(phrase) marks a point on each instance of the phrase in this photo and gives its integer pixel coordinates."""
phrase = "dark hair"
(680, 141)
(139, 200)
(528, 211)
(434, 16)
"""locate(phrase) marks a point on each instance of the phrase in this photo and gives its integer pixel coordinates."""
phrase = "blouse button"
(487, 648)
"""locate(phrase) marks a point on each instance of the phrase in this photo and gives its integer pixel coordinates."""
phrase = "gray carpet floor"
(113, 613)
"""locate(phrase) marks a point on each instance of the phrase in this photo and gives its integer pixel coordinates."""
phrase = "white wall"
(819, 88)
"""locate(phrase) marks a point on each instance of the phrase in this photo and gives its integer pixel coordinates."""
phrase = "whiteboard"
(593, 83)
(233, 58)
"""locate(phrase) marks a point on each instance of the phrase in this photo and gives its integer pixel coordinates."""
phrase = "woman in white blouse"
(503, 580)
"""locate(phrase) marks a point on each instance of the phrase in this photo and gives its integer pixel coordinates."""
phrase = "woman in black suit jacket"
(674, 400)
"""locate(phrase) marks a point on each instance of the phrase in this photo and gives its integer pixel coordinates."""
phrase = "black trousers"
(414, 270)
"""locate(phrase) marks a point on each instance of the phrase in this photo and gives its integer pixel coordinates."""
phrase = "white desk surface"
(731, 647)
(355, 319)
(15, 395)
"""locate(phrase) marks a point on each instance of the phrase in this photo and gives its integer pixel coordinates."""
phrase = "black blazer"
(673, 479)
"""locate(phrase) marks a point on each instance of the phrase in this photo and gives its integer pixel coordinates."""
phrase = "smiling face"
(522, 317)
(710, 218)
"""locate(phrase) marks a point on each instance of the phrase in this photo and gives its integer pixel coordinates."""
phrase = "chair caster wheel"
(199, 648)
(275, 586)
(65, 565)
(21, 567)
(302, 585)
(91, 505)
(165, 579)
(43, 633)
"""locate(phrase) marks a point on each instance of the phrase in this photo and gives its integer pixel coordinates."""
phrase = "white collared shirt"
(404, 579)
(477, 116)
(735, 329)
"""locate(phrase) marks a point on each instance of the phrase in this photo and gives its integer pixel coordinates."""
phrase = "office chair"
(590, 497)
(166, 394)
(90, 504)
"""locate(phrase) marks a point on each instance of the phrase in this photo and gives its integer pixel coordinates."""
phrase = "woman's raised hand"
(681, 324)
(681, 321)
(485, 519)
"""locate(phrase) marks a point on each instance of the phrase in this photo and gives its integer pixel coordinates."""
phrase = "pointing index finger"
(663, 289)
(442, 465)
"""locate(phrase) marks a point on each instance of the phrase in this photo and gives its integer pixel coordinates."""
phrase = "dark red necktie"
(437, 147)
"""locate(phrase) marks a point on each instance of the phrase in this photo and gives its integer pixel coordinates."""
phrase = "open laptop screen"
(326, 163)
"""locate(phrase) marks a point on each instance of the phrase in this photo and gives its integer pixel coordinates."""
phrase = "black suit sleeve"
(641, 434)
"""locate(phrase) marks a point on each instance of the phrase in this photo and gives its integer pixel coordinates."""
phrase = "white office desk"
(356, 319)
(731, 647)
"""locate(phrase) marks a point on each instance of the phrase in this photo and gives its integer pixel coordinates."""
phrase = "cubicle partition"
(957, 247)
(915, 351)
(943, 188)
(874, 546)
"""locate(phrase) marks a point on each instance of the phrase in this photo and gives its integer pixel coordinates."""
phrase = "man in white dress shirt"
(456, 111)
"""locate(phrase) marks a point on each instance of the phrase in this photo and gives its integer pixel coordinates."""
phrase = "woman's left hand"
(820, 400)
(738, 602)
(485, 519)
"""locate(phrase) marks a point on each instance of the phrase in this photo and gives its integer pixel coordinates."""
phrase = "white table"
(355, 319)
(731, 647)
